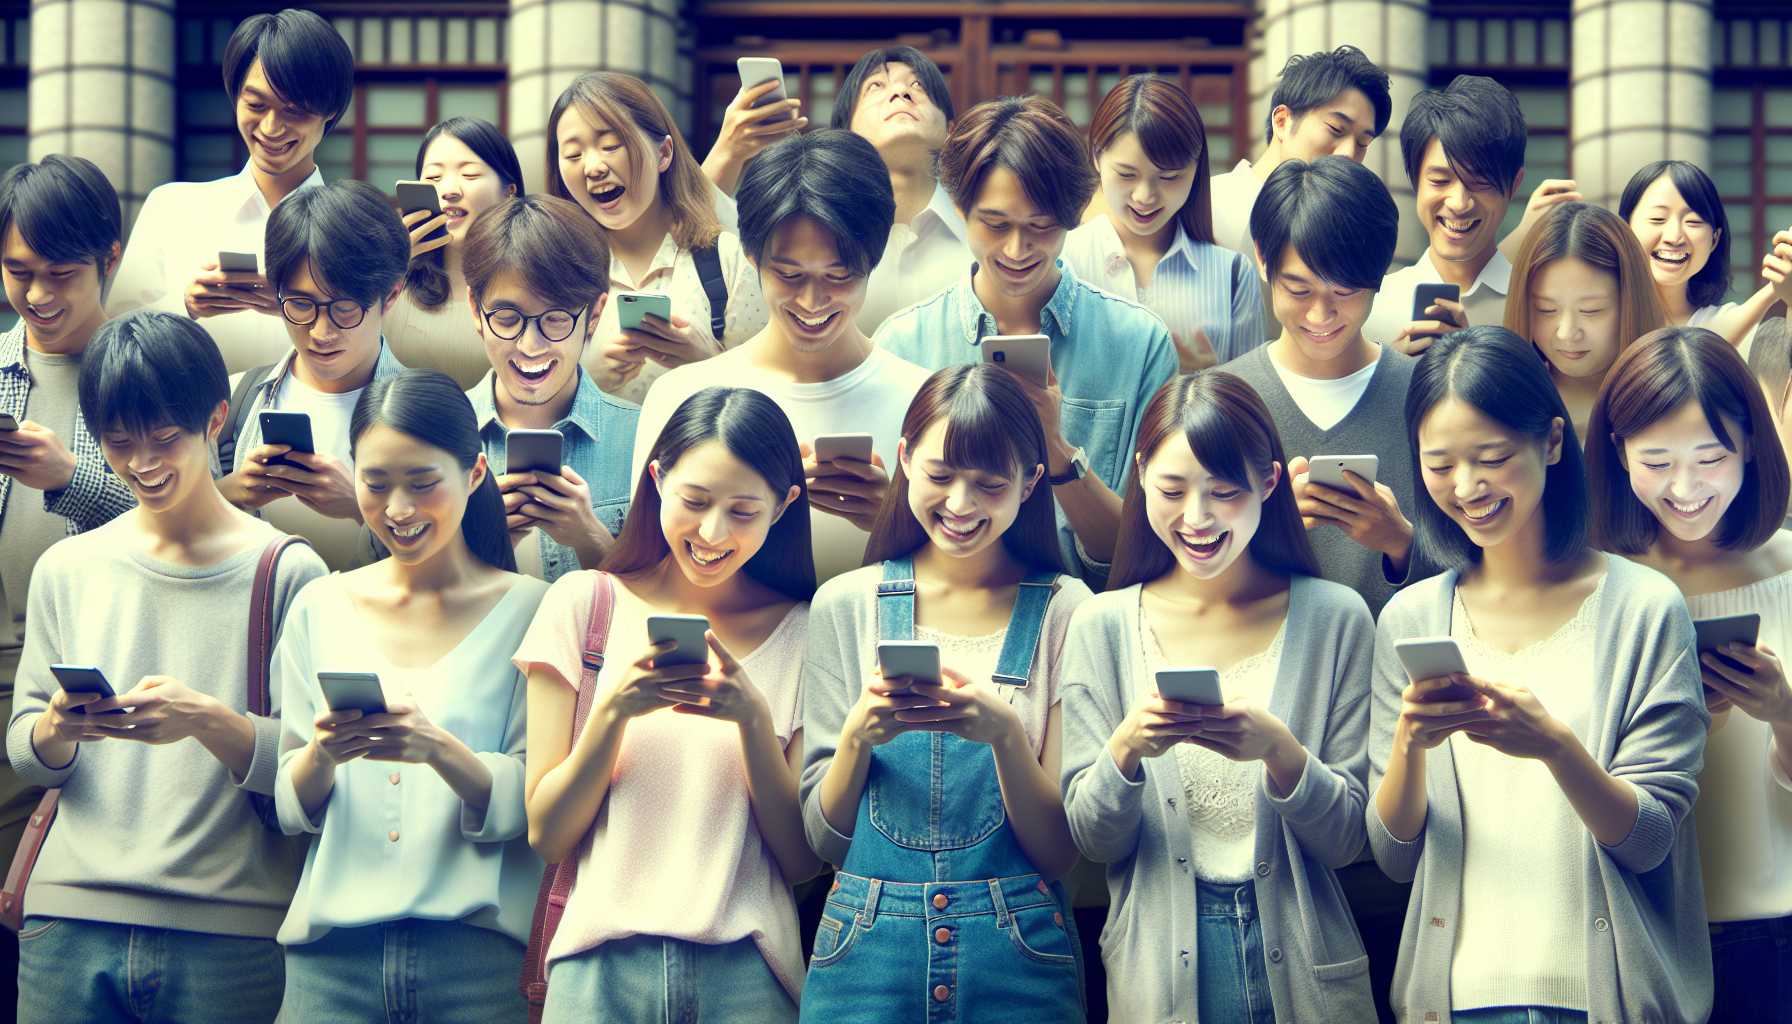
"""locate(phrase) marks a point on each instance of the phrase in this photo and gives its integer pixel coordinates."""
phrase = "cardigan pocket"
(1344, 989)
(1343, 970)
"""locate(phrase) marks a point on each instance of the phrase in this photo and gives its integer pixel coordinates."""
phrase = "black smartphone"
(1714, 634)
(7, 422)
(85, 679)
(530, 451)
(1424, 295)
(288, 428)
(421, 195)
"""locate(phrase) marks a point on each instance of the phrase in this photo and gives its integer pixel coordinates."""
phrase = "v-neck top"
(393, 841)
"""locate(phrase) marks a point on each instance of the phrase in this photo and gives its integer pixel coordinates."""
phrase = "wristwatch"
(1079, 468)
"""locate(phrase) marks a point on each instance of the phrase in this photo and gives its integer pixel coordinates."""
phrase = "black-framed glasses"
(302, 312)
(508, 324)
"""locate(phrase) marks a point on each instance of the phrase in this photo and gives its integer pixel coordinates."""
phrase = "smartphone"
(238, 263)
(1426, 294)
(527, 451)
(754, 70)
(1191, 685)
(85, 679)
(833, 447)
(632, 306)
(7, 422)
(1329, 470)
(909, 659)
(1713, 634)
(1028, 355)
(288, 428)
(421, 195)
(684, 630)
(1431, 658)
(353, 691)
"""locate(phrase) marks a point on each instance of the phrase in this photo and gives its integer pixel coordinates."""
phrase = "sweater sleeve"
(299, 566)
(505, 816)
(294, 680)
(1104, 807)
(1325, 809)
(829, 687)
(34, 684)
(1398, 859)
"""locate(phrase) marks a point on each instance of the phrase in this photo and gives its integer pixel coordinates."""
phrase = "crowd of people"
(1294, 641)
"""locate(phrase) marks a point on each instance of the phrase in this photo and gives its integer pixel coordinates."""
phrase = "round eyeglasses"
(508, 324)
(300, 311)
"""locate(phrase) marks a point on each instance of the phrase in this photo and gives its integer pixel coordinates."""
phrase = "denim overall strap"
(896, 600)
(1025, 624)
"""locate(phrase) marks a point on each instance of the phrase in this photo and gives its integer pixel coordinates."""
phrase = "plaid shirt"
(94, 496)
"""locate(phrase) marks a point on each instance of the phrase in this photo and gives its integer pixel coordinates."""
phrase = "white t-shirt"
(1232, 195)
(872, 398)
(339, 541)
(1326, 402)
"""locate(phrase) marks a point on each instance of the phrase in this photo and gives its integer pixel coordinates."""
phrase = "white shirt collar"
(1497, 274)
(244, 182)
(1113, 250)
(945, 215)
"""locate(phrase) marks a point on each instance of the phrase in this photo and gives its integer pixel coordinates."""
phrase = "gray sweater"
(1376, 426)
(1317, 968)
(1648, 951)
(158, 835)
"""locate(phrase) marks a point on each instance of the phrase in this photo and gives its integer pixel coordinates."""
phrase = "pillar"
(1641, 89)
(1392, 33)
(554, 41)
(102, 87)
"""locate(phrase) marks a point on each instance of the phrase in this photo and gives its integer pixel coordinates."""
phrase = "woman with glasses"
(336, 258)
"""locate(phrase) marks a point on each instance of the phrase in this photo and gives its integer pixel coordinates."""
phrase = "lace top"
(975, 657)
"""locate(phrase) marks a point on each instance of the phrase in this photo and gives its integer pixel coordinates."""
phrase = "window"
(1546, 145)
(1751, 157)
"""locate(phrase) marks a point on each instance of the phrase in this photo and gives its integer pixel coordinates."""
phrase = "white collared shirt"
(1196, 284)
(183, 225)
(922, 258)
(1233, 194)
(1485, 302)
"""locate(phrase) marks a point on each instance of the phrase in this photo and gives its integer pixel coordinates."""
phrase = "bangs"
(977, 438)
(147, 371)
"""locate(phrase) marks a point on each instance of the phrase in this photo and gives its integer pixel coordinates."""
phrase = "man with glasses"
(336, 257)
(538, 270)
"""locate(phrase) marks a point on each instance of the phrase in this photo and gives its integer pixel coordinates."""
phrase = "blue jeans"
(406, 972)
(1233, 983)
(648, 978)
(1752, 965)
(1519, 1015)
(72, 970)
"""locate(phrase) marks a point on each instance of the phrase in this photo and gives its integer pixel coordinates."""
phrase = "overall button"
(942, 935)
(1044, 888)
(392, 835)
(1058, 919)
(941, 993)
(1275, 954)
(940, 901)
(835, 887)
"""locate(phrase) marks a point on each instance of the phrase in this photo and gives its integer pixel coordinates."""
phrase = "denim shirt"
(1110, 356)
(600, 438)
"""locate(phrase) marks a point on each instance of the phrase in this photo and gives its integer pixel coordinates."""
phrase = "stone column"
(102, 87)
(1641, 89)
(554, 41)
(1392, 33)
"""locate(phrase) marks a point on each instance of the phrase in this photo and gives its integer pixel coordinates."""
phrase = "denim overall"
(937, 914)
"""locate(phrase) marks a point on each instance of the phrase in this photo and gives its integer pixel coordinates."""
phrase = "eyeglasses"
(509, 324)
(302, 312)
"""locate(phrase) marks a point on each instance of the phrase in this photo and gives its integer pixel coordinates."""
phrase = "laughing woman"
(1539, 801)
(1688, 477)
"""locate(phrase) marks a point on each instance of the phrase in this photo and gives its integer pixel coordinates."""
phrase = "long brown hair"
(991, 426)
(1170, 131)
(1664, 370)
(1234, 438)
(618, 100)
(1596, 237)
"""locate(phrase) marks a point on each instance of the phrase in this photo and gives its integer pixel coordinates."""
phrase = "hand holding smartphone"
(1434, 658)
(1426, 295)
(834, 447)
(85, 679)
(1027, 355)
(631, 307)
(753, 71)
(353, 691)
(421, 195)
(534, 451)
(1715, 634)
(686, 632)
(1191, 686)
(914, 660)
(1329, 470)
(292, 429)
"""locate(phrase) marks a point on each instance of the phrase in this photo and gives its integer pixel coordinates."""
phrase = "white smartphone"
(1329, 470)
(1433, 657)
(833, 447)
(754, 70)
(1028, 355)
(914, 660)
(1190, 685)
(632, 306)
(238, 262)
(353, 691)
(684, 630)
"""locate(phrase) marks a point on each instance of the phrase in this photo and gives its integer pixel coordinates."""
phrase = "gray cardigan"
(1317, 968)
(1648, 951)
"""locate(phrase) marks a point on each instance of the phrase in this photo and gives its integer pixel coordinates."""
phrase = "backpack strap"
(239, 414)
(261, 650)
(715, 286)
(557, 880)
(37, 829)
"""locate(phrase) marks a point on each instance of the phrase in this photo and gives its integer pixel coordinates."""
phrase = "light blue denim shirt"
(600, 437)
(1110, 356)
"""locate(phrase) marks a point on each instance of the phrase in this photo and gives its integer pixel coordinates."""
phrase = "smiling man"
(290, 78)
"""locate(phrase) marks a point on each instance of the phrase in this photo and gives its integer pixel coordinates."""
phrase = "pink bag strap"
(557, 880)
(37, 829)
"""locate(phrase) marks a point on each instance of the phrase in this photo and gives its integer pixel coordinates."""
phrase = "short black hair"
(832, 175)
(304, 57)
(64, 208)
(1709, 286)
(1499, 374)
(349, 235)
(1479, 122)
(926, 72)
(1335, 212)
(147, 370)
(1309, 80)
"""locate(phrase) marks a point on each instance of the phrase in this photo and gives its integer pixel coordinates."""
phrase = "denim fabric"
(1518, 1015)
(73, 970)
(657, 980)
(1233, 983)
(600, 440)
(934, 859)
(1752, 963)
(405, 972)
